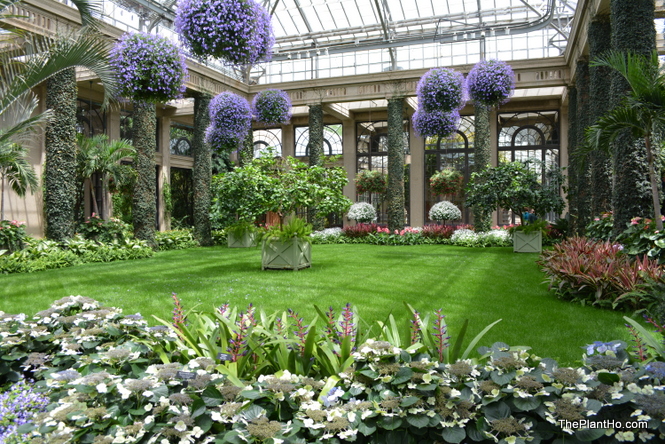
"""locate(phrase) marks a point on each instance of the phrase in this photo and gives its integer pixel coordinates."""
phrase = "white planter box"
(527, 243)
(246, 241)
(295, 254)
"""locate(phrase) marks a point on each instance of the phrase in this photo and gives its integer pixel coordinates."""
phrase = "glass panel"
(267, 139)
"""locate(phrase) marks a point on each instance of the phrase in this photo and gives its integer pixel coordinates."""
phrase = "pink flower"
(401, 233)
(596, 218)
(635, 220)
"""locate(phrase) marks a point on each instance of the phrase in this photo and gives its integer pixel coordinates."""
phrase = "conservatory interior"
(352, 58)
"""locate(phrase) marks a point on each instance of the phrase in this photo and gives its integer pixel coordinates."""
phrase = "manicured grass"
(482, 285)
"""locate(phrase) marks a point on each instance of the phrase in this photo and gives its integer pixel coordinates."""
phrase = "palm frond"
(15, 168)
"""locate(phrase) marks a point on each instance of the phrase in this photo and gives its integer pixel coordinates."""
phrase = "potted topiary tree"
(444, 210)
(516, 186)
(362, 213)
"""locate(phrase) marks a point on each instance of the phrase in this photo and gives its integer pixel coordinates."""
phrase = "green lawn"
(482, 285)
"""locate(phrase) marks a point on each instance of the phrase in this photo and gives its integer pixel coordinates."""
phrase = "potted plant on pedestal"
(518, 187)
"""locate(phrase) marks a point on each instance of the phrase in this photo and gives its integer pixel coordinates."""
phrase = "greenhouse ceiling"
(329, 38)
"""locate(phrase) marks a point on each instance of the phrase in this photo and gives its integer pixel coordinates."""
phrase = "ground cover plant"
(481, 285)
(111, 378)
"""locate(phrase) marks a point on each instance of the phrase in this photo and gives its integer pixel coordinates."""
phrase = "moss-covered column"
(316, 156)
(572, 145)
(633, 29)
(202, 171)
(600, 34)
(578, 164)
(144, 205)
(395, 192)
(481, 159)
(316, 135)
(246, 152)
(60, 168)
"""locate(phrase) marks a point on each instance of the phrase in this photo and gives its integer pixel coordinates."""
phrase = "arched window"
(332, 140)
(265, 139)
(454, 151)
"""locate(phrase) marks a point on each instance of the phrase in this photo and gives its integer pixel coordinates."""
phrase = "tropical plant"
(642, 111)
(236, 31)
(15, 171)
(435, 123)
(99, 155)
(27, 61)
(515, 186)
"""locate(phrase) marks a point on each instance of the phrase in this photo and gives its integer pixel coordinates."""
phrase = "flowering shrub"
(272, 107)
(18, 406)
(464, 237)
(237, 31)
(12, 235)
(328, 236)
(490, 82)
(96, 228)
(149, 67)
(120, 383)
(371, 181)
(600, 228)
(362, 212)
(447, 181)
(600, 273)
(435, 123)
(444, 210)
(441, 89)
(230, 121)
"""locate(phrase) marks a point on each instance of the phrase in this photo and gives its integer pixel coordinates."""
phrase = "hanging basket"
(371, 182)
(448, 181)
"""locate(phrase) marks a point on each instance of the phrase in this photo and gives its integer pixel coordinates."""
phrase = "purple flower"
(18, 405)
(441, 89)
(230, 121)
(435, 123)
(237, 31)
(272, 107)
(490, 82)
(149, 68)
(657, 369)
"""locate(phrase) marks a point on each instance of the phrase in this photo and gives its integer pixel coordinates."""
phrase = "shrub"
(599, 273)
(98, 229)
(175, 240)
(12, 235)
(444, 210)
(360, 230)
(362, 212)
(437, 231)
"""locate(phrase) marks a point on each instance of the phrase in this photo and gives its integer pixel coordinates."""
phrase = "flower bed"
(112, 377)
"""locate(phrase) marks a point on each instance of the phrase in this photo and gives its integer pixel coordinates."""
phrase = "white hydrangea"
(464, 236)
(327, 234)
(362, 212)
(444, 210)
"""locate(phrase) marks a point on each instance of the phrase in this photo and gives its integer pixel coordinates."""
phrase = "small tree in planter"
(443, 211)
(362, 212)
(515, 186)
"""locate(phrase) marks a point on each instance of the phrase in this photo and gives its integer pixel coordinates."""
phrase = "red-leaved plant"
(599, 273)
(438, 231)
(360, 230)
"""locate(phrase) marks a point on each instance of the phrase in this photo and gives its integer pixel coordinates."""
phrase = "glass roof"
(329, 38)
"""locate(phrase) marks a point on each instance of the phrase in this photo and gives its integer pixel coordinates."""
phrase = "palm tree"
(27, 60)
(16, 172)
(99, 155)
(642, 111)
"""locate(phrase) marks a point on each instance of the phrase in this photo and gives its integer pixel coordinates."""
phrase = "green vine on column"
(144, 205)
(395, 193)
(202, 171)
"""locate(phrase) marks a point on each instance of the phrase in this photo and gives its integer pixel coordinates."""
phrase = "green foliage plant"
(12, 235)
(114, 362)
(15, 171)
(99, 229)
(175, 240)
(295, 227)
(515, 186)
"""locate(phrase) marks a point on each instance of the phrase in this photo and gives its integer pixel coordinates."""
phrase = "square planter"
(247, 240)
(294, 254)
(527, 242)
